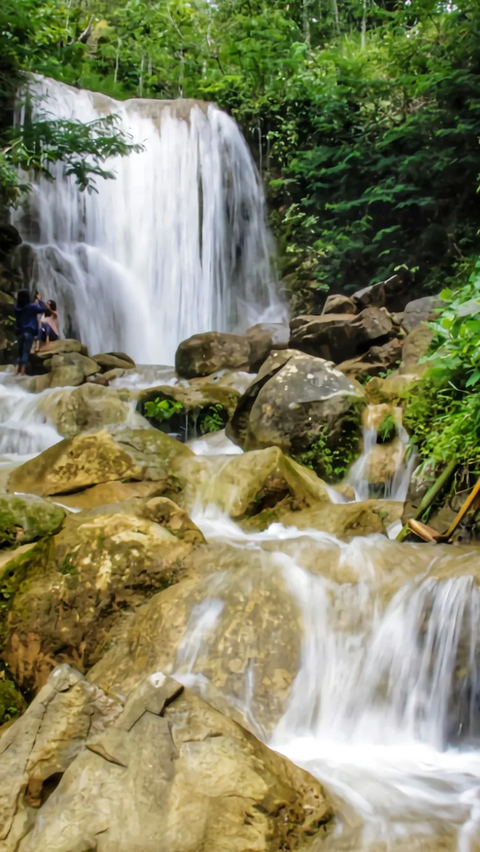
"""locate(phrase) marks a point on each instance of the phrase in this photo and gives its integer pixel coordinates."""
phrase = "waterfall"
(176, 244)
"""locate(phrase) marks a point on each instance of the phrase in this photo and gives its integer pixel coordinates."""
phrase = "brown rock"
(110, 362)
(68, 359)
(392, 294)
(204, 354)
(193, 778)
(339, 304)
(60, 347)
(86, 408)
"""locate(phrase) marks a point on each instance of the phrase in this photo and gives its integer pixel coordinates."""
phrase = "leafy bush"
(163, 409)
(443, 412)
(330, 462)
(213, 419)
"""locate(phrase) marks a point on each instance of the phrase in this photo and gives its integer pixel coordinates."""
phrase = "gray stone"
(420, 310)
(295, 399)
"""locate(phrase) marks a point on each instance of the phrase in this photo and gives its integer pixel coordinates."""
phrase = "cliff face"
(13, 272)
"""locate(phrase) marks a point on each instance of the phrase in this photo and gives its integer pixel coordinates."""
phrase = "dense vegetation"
(364, 116)
(443, 412)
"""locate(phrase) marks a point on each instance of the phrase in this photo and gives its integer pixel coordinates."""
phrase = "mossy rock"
(27, 518)
(89, 459)
(195, 410)
(12, 702)
(69, 602)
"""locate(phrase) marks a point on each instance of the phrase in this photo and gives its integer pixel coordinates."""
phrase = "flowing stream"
(176, 244)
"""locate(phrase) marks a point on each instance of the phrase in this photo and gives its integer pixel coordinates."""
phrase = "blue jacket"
(27, 318)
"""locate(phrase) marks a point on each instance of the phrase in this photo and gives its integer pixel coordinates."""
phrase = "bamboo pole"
(429, 497)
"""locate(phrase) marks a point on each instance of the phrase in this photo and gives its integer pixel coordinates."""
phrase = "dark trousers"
(25, 342)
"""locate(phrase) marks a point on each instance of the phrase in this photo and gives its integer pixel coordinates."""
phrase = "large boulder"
(251, 483)
(206, 353)
(78, 591)
(87, 407)
(339, 337)
(91, 458)
(25, 518)
(295, 401)
(421, 310)
(165, 767)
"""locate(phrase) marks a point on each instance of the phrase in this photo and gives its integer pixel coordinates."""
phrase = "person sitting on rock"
(49, 323)
(26, 316)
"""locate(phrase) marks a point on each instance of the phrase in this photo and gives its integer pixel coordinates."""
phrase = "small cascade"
(385, 703)
(385, 467)
(24, 427)
(177, 244)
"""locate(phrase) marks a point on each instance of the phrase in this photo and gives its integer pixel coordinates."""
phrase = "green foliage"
(331, 462)
(163, 409)
(212, 419)
(363, 117)
(12, 702)
(443, 412)
(387, 429)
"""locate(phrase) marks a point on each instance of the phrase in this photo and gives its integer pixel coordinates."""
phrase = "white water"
(395, 486)
(176, 245)
(385, 707)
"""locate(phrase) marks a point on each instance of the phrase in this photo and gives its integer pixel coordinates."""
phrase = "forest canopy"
(363, 116)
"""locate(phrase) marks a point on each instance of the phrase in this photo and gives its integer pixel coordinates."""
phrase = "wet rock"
(339, 304)
(99, 379)
(27, 518)
(295, 400)
(247, 484)
(99, 569)
(109, 494)
(263, 338)
(206, 353)
(87, 407)
(116, 373)
(68, 376)
(89, 459)
(192, 777)
(420, 310)
(342, 520)
(113, 361)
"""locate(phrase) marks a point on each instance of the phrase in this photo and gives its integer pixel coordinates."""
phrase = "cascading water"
(390, 463)
(176, 244)
(385, 707)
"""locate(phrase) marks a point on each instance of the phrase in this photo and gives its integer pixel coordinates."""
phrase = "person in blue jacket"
(26, 316)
